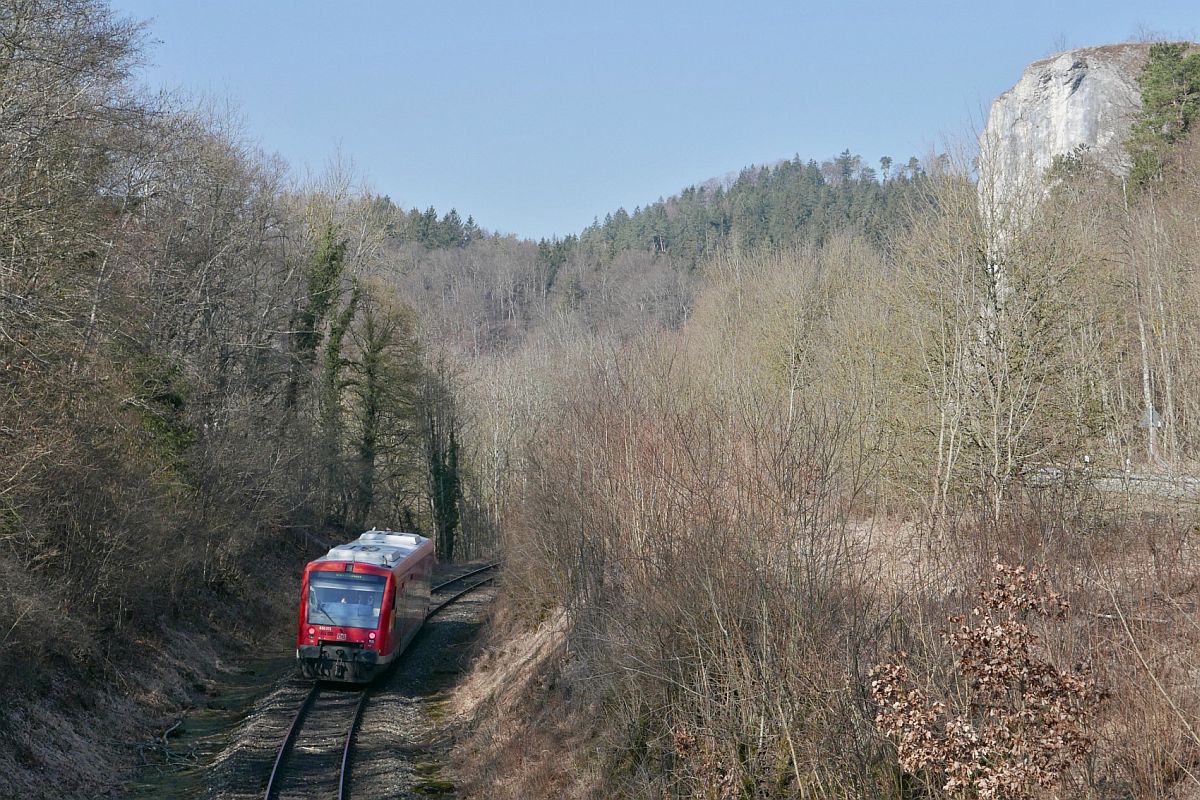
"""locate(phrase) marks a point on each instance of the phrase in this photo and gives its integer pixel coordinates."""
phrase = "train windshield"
(346, 599)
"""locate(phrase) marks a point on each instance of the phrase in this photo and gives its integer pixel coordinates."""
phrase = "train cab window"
(345, 599)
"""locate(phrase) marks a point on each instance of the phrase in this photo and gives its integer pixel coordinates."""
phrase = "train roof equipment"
(379, 548)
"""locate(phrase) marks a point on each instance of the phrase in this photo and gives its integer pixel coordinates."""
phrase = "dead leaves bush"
(1014, 723)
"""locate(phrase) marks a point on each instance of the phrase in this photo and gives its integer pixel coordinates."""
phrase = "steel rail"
(484, 568)
(457, 595)
(297, 723)
(345, 771)
(293, 729)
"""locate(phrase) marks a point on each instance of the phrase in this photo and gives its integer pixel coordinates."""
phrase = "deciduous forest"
(819, 482)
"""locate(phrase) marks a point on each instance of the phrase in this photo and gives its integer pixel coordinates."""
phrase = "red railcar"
(361, 604)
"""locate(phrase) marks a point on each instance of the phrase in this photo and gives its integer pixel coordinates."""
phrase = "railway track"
(329, 715)
(475, 578)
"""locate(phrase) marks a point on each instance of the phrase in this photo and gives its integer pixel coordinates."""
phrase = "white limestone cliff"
(1080, 101)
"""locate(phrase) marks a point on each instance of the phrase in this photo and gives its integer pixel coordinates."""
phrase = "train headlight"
(312, 632)
(371, 637)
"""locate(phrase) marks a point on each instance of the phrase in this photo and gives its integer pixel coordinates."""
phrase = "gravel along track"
(402, 738)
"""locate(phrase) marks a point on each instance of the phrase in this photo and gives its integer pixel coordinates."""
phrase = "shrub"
(1016, 724)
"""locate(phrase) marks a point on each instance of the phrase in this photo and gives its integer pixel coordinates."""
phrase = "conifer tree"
(1170, 86)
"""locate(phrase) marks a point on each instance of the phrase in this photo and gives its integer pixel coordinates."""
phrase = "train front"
(342, 621)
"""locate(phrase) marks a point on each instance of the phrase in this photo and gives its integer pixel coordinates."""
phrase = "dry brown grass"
(529, 738)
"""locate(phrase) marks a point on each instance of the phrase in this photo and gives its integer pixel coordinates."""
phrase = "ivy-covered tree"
(441, 433)
(382, 382)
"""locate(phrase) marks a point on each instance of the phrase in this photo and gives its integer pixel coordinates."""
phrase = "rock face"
(1079, 99)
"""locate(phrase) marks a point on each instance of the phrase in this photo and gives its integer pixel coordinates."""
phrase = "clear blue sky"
(536, 117)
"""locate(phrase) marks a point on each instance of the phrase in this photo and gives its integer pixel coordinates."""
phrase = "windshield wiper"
(321, 608)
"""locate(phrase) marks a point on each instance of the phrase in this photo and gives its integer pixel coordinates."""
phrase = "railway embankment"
(161, 689)
(528, 732)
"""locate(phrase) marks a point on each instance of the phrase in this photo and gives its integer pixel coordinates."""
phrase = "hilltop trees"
(425, 227)
(782, 206)
(1170, 86)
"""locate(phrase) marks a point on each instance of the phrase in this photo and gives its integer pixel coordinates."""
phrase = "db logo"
(341, 637)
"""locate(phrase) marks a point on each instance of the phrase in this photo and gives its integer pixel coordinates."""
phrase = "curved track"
(315, 725)
(471, 585)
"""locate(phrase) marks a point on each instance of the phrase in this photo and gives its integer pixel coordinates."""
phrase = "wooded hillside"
(199, 358)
